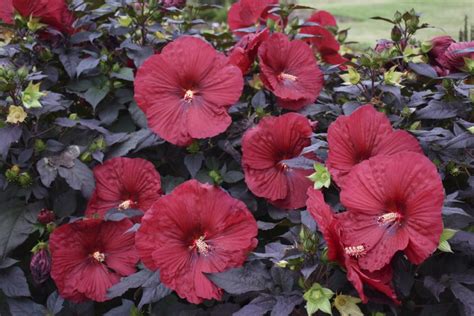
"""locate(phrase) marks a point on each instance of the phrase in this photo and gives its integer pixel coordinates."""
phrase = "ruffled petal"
(363, 134)
(185, 88)
(167, 238)
(121, 179)
(289, 69)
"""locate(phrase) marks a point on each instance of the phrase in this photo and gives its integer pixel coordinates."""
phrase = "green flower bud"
(347, 305)
(12, 173)
(215, 176)
(22, 73)
(125, 20)
(39, 145)
(352, 77)
(396, 34)
(73, 116)
(321, 177)
(392, 77)
(31, 96)
(24, 179)
(446, 235)
(193, 148)
(86, 156)
(317, 298)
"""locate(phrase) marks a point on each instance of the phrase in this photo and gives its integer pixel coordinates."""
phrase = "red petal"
(51, 12)
(193, 210)
(407, 183)
(119, 247)
(187, 64)
(363, 134)
(94, 280)
(279, 56)
(6, 12)
(324, 18)
(264, 147)
(121, 179)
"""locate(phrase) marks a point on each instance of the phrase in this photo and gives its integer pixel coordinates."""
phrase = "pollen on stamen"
(388, 218)
(125, 205)
(201, 245)
(99, 256)
(284, 76)
(355, 251)
(188, 96)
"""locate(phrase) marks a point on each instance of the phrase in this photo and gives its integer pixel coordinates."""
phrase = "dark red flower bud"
(173, 3)
(40, 266)
(46, 216)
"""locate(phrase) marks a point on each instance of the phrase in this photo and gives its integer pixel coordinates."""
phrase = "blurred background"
(446, 16)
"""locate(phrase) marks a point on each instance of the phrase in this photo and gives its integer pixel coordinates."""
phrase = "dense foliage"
(269, 168)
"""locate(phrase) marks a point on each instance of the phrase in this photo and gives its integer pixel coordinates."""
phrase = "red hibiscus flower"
(6, 12)
(247, 13)
(124, 183)
(196, 229)
(457, 53)
(346, 254)
(361, 135)
(323, 18)
(54, 13)
(91, 255)
(437, 54)
(244, 52)
(265, 149)
(186, 91)
(290, 71)
(393, 204)
(323, 41)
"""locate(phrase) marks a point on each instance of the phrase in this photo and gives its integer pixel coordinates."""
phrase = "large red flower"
(247, 13)
(244, 52)
(457, 52)
(196, 229)
(124, 183)
(324, 42)
(265, 149)
(290, 71)
(91, 255)
(54, 13)
(186, 90)
(393, 204)
(363, 134)
(6, 12)
(437, 54)
(344, 253)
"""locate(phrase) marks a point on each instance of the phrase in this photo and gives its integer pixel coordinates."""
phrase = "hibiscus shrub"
(156, 163)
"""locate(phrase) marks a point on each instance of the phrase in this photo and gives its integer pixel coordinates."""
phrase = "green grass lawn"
(446, 16)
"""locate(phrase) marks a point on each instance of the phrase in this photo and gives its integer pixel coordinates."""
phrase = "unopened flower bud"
(40, 265)
(46, 216)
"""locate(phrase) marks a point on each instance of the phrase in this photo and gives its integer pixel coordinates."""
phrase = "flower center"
(201, 246)
(389, 218)
(99, 256)
(188, 96)
(283, 166)
(125, 205)
(355, 251)
(285, 76)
